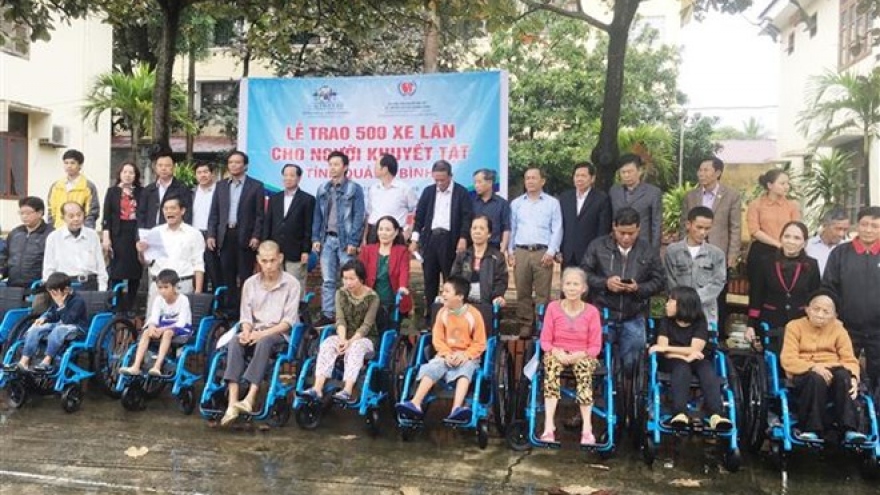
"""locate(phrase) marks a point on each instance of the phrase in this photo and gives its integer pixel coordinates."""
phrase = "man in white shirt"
(203, 196)
(835, 230)
(389, 196)
(75, 250)
(184, 248)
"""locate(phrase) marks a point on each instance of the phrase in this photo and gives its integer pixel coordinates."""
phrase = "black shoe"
(43, 368)
(325, 320)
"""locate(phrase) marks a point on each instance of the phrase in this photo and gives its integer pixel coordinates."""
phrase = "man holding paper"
(176, 246)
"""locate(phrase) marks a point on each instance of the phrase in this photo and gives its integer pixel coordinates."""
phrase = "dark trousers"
(256, 369)
(812, 395)
(237, 262)
(438, 255)
(869, 342)
(213, 278)
(681, 372)
(722, 311)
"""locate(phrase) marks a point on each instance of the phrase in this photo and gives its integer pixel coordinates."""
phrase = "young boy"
(170, 319)
(66, 315)
(459, 337)
(693, 262)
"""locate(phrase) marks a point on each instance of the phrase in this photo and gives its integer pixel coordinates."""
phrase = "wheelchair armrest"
(386, 345)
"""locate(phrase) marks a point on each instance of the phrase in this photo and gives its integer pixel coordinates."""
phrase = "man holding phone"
(623, 272)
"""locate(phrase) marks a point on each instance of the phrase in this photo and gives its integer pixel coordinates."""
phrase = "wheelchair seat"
(11, 298)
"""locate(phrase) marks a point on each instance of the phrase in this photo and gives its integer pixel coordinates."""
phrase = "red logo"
(407, 88)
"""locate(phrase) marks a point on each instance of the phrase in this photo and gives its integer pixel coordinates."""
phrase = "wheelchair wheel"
(17, 394)
(133, 398)
(482, 433)
(279, 415)
(756, 409)
(870, 467)
(372, 422)
(113, 341)
(71, 398)
(732, 460)
(407, 434)
(778, 456)
(154, 388)
(16, 334)
(308, 417)
(640, 404)
(217, 329)
(400, 359)
(649, 450)
(504, 379)
(735, 384)
(187, 400)
(517, 435)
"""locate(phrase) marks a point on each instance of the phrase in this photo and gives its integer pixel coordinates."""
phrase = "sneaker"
(806, 436)
(720, 423)
(129, 371)
(343, 396)
(588, 439)
(409, 410)
(680, 420)
(43, 368)
(460, 415)
(230, 416)
(855, 437)
(311, 394)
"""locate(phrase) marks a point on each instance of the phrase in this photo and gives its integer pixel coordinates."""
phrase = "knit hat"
(830, 294)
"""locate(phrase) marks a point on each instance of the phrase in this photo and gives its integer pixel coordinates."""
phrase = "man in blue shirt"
(487, 203)
(536, 232)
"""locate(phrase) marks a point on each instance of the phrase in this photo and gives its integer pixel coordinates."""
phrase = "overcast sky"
(727, 66)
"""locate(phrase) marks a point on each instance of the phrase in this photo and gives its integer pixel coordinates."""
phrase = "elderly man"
(269, 309)
(75, 250)
(26, 244)
(184, 249)
(835, 228)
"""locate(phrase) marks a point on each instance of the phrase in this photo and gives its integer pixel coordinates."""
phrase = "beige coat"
(726, 230)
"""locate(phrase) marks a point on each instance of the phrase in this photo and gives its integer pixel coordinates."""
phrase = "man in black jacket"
(586, 215)
(441, 228)
(623, 272)
(853, 272)
(26, 244)
(149, 212)
(289, 222)
(235, 225)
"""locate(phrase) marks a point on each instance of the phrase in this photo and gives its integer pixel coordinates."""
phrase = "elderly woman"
(782, 285)
(571, 337)
(484, 267)
(356, 333)
(817, 355)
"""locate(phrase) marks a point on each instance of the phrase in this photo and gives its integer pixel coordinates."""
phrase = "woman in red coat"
(387, 263)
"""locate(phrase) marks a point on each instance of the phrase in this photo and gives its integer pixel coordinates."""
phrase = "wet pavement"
(44, 450)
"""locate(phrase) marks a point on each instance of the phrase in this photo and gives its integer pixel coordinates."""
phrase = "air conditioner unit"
(60, 137)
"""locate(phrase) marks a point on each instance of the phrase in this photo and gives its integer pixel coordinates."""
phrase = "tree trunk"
(171, 14)
(190, 101)
(431, 53)
(866, 144)
(135, 140)
(606, 152)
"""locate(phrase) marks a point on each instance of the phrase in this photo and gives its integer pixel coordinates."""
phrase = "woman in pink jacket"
(571, 336)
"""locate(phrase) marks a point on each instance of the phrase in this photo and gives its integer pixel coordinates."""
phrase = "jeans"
(57, 333)
(333, 256)
(629, 336)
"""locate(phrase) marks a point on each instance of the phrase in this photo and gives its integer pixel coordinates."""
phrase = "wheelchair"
(651, 384)
(374, 378)
(277, 407)
(769, 417)
(101, 345)
(482, 398)
(209, 323)
(15, 307)
(526, 402)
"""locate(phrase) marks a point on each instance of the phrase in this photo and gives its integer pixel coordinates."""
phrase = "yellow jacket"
(83, 192)
(806, 345)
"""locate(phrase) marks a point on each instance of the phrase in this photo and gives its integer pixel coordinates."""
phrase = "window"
(813, 25)
(216, 93)
(855, 39)
(224, 32)
(789, 47)
(13, 174)
(16, 38)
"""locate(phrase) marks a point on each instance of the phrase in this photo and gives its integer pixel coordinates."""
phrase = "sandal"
(588, 438)
(129, 371)
(230, 416)
(243, 406)
(343, 396)
(155, 372)
(548, 437)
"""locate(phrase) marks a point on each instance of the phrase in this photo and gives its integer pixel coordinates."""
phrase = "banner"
(460, 118)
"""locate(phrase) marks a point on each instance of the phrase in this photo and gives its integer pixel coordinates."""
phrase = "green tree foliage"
(827, 182)
(699, 143)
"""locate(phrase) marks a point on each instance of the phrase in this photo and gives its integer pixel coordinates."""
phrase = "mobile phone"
(627, 281)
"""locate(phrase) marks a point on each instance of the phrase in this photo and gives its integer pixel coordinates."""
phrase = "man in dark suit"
(586, 215)
(645, 198)
(235, 224)
(441, 228)
(149, 213)
(289, 222)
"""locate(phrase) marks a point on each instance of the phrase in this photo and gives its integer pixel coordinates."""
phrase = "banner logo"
(407, 88)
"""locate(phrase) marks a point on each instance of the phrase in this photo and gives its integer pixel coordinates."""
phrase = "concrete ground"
(105, 449)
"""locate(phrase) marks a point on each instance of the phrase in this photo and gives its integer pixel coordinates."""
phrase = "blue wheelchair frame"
(66, 376)
(656, 422)
(480, 401)
(13, 316)
(780, 432)
(132, 387)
